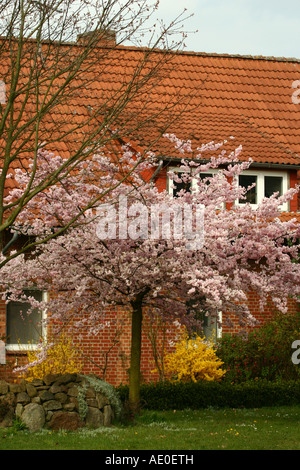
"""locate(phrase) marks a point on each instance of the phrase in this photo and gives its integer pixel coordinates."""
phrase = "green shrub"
(265, 353)
(178, 396)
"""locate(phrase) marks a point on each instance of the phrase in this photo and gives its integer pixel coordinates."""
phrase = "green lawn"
(210, 429)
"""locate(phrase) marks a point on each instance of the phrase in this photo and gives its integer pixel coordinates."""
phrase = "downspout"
(14, 238)
(161, 162)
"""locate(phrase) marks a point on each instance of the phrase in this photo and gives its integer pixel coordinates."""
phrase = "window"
(245, 181)
(174, 187)
(179, 186)
(23, 330)
(266, 184)
(210, 327)
(2, 353)
(206, 175)
(273, 184)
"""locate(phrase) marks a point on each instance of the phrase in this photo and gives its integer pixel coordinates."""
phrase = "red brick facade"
(261, 316)
(107, 354)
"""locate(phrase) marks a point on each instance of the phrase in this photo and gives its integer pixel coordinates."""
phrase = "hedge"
(179, 396)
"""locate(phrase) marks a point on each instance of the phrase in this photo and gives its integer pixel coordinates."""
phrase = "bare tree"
(60, 89)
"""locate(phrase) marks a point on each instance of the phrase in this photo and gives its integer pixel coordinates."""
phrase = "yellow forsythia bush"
(62, 357)
(194, 360)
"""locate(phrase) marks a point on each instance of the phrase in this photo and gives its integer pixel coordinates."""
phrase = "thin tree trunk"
(135, 358)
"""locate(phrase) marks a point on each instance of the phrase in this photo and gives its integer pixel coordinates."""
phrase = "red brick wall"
(106, 354)
(260, 315)
(97, 349)
(293, 182)
(13, 360)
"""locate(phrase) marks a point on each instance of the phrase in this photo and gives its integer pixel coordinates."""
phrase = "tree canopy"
(121, 253)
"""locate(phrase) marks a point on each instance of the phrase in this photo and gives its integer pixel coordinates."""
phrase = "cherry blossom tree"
(122, 253)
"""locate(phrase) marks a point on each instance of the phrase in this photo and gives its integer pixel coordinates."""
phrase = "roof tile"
(219, 96)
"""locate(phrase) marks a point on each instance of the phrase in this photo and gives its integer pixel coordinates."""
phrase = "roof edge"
(178, 51)
(216, 54)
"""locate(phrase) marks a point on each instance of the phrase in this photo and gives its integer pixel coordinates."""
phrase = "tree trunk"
(135, 357)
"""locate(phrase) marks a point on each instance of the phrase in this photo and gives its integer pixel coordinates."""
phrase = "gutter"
(279, 166)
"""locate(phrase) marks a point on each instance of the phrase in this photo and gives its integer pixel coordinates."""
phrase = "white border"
(30, 347)
(194, 184)
(260, 185)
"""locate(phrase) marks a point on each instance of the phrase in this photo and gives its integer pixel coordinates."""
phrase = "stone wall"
(68, 401)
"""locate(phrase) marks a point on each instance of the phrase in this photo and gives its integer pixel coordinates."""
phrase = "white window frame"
(214, 331)
(2, 92)
(194, 184)
(212, 171)
(174, 169)
(31, 347)
(260, 185)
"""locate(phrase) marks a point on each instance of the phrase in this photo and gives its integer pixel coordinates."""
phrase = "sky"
(246, 27)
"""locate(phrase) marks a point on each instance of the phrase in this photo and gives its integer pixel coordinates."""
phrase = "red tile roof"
(246, 97)
(212, 97)
(197, 96)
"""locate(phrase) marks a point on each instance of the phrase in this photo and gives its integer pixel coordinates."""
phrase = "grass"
(209, 429)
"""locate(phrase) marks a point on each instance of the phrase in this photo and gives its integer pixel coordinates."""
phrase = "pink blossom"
(90, 274)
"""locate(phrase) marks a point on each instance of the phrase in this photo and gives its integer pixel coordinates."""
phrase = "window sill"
(20, 348)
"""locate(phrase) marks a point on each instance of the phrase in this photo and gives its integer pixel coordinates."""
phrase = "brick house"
(203, 97)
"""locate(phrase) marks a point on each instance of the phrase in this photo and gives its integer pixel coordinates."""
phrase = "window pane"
(273, 184)
(206, 175)
(22, 328)
(179, 186)
(209, 327)
(251, 195)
